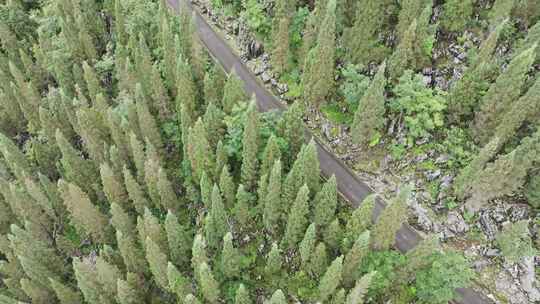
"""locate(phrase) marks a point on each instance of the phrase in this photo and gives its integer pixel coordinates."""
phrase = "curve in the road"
(349, 185)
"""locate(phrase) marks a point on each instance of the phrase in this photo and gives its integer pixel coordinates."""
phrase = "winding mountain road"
(349, 185)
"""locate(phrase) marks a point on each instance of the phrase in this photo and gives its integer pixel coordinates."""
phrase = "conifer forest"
(135, 168)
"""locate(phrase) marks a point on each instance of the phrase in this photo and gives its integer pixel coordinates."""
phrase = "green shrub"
(422, 107)
(354, 86)
(515, 241)
(533, 191)
(438, 283)
(256, 18)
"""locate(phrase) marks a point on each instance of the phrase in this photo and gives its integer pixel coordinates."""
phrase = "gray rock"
(265, 77)
(456, 224)
(518, 212)
(422, 216)
(492, 252)
(488, 226)
(258, 70)
(282, 88)
(274, 82)
(506, 285)
(528, 279)
(446, 181)
(481, 264)
(432, 175)
(442, 159)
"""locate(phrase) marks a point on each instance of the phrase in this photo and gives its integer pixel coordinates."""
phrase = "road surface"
(349, 185)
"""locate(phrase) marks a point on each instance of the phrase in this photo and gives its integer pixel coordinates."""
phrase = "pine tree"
(331, 279)
(272, 202)
(506, 174)
(221, 158)
(362, 40)
(118, 136)
(198, 147)
(468, 175)
(242, 295)
(369, 117)
(250, 148)
(121, 220)
(357, 294)
(515, 241)
(294, 181)
(94, 133)
(326, 203)
(307, 246)
(186, 97)
(226, 184)
(354, 257)
(273, 261)
(198, 253)
(214, 82)
(456, 15)
(179, 239)
(92, 81)
(360, 220)
(76, 169)
(318, 261)
(36, 292)
(206, 190)
(291, 127)
(410, 10)
(151, 173)
(127, 291)
(233, 92)
(190, 299)
(403, 57)
(149, 126)
(157, 260)
(312, 170)
(209, 286)
(148, 226)
(272, 152)
(135, 192)
(500, 11)
(216, 225)
(66, 294)
(108, 275)
(138, 156)
(85, 216)
(297, 221)
(178, 283)
(390, 221)
(339, 297)
(420, 256)
(241, 209)
(230, 258)
(88, 283)
(318, 78)
(213, 123)
(131, 254)
(168, 198)
(333, 234)
(502, 94)
(113, 186)
(160, 96)
(278, 298)
(281, 51)
(533, 36)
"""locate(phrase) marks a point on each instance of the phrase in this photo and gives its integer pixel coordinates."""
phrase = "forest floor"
(431, 212)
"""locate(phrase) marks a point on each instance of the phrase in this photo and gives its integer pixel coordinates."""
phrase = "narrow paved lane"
(349, 185)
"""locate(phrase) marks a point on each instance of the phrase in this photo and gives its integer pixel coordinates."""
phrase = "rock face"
(455, 225)
(249, 46)
(517, 282)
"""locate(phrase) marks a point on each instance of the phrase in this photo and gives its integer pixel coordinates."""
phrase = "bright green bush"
(422, 107)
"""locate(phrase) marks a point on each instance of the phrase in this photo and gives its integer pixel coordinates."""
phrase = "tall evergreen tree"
(250, 148)
(297, 221)
(272, 202)
(242, 208)
(502, 94)
(281, 51)
(369, 117)
(307, 246)
(226, 184)
(209, 286)
(198, 147)
(331, 279)
(360, 220)
(157, 260)
(354, 257)
(390, 221)
(216, 225)
(403, 57)
(318, 78)
(456, 15)
(325, 203)
(230, 258)
(273, 261)
(233, 92)
(179, 238)
(278, 297)
(362, 39)
(242, 295)
(357, 294)
(272, 152)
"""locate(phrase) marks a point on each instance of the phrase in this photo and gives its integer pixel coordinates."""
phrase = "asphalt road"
(349, 185)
